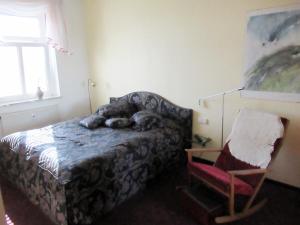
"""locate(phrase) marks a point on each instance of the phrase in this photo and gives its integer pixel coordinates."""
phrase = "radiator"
(28, 119)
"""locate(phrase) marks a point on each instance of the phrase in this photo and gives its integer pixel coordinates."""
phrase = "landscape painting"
(273, 55)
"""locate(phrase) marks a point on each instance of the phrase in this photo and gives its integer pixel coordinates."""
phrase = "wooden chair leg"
(239, 216)
(247, 211)
(231, 197)
(257, 188)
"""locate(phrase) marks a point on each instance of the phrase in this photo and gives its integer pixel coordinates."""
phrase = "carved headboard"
(156, 103)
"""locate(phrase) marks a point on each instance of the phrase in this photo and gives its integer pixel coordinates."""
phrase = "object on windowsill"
(39, 93)
(201, 140)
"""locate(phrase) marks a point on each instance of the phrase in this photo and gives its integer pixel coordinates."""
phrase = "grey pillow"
(118, 122)
(93, 121)
(171, 124)
(146, 120)
(119, 108)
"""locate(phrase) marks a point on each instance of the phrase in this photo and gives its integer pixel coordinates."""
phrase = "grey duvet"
(75, 174)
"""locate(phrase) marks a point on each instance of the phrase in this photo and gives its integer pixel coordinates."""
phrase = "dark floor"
(158, 204)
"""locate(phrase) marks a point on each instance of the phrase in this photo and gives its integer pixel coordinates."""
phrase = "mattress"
(75, 174)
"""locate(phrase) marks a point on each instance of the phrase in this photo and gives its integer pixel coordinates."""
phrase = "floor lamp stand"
(90, 84)
(223, 107)
(222, 120)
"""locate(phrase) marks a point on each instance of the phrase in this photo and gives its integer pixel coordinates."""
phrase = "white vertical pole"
(90, 84)
(222, 129)
(223, 110)
(90, 101)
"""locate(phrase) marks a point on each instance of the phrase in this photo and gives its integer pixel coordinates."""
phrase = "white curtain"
(56, 35)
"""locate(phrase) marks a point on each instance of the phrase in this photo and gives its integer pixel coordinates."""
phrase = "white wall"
(182, 50)
(73, 75)
(73, 70)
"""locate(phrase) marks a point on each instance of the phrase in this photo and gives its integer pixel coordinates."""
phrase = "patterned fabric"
(93, 121)
(146, 120)
(117, 109)
(171, 124)
(155, 103)
(75, 174)
(118, 122)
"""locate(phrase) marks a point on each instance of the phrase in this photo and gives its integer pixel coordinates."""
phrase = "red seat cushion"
(219, 178)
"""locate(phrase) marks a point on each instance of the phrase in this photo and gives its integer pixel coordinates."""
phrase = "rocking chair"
(240, 170)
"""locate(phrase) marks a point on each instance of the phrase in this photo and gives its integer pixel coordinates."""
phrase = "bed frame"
(156, 103)
(66, 204)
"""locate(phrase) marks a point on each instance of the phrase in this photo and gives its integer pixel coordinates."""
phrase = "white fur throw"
(253, 136)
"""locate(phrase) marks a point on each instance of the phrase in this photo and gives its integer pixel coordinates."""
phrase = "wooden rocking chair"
(231, 176)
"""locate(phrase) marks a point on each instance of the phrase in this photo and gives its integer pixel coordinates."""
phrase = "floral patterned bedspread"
(75, 174)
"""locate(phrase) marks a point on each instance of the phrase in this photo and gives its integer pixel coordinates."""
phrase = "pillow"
(120, 108)
(169, 123)
(146, 120)
(93, 121)
(118, 122)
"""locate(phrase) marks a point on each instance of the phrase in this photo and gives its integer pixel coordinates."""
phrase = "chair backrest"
(227, 161)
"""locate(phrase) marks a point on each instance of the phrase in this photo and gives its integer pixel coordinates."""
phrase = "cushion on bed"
(171, 124)
(93, 121)
(118, 122)
(120, 108)
(146, 120)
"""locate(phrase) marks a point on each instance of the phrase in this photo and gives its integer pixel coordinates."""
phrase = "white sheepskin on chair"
(253, 136)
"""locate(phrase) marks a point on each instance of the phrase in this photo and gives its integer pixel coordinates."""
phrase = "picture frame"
(272, 67)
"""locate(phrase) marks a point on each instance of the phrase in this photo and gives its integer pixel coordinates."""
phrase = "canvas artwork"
(273, 55)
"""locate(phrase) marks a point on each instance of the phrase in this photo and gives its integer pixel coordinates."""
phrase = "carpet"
(158, 204)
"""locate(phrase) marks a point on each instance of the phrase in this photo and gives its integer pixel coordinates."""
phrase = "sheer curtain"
(56, 35)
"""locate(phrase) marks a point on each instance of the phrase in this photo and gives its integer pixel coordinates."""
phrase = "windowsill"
(35, 100)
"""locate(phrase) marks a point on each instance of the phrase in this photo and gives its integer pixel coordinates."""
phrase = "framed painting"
(272, 69)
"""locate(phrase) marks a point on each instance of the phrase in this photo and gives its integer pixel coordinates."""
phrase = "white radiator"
(28, 119)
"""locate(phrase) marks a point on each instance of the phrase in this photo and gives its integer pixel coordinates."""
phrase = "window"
(26, 61)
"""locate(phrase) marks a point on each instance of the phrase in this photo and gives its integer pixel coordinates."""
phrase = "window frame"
(50, 63)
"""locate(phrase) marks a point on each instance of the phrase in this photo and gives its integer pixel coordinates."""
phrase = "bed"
(76, 175)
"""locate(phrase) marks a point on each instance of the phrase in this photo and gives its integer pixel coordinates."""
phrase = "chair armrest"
(200, 150)
(247, 172)
(203, 150)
